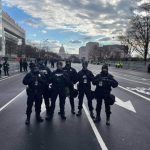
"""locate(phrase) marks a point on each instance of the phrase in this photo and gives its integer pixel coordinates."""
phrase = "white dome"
(61, 50)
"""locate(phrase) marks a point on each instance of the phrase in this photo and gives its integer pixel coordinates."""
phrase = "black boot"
(63, 117)
(73, 111)
(49, 117)
(27, 122)
(92, 115)
(108, 121)
(59, 113)
(39, 118)
(97, 119)
(79, 113)
(47, 111)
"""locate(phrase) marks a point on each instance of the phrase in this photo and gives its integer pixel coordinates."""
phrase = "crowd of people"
(43, 84)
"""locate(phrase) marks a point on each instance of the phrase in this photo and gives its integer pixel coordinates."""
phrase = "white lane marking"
(96, 132)
(2, 108)
(132, 80)
(127, 105)
(10, 77)
(146, 98)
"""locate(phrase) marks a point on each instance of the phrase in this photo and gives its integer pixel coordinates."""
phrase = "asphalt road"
(130, 119)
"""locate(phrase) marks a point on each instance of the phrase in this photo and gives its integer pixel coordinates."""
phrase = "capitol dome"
(62, 50)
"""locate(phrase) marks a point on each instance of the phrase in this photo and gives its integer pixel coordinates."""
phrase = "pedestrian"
(59, 82)
(34, 82)
(73, 77)
(85, 77)
(25, 65)
(104, 82)
(6, 68)
(21, 64)
(46, 72)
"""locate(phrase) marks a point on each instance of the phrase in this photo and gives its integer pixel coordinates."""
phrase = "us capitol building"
(62, 53)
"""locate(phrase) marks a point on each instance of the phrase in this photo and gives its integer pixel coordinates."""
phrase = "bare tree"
(137, 36)
(126, 41)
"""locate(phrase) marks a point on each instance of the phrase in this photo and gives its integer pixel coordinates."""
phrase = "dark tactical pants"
(71, 98)
(46, 99)
(99, 106)
(25, 69)
(6, 72)
(62, 96)
(86, 92)
(37, 99)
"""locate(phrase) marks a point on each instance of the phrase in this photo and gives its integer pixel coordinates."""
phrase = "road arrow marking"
(127, 105)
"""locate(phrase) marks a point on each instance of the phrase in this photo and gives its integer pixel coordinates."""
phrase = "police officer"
(21, 64)
(103, 81)
(34, 81)
(6, 68)
(85, 77)
(25, 65)
(59, 82)
(46, 76)
(73, 76)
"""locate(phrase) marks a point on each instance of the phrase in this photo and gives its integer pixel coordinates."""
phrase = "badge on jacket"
(100, 83)
(85, 79)
(36, 83)
(59, 75)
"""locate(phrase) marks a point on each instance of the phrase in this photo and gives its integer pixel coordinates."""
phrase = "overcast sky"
(70, 22)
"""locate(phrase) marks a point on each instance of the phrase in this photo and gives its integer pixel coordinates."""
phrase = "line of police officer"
(62, 82)
(23, 65)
